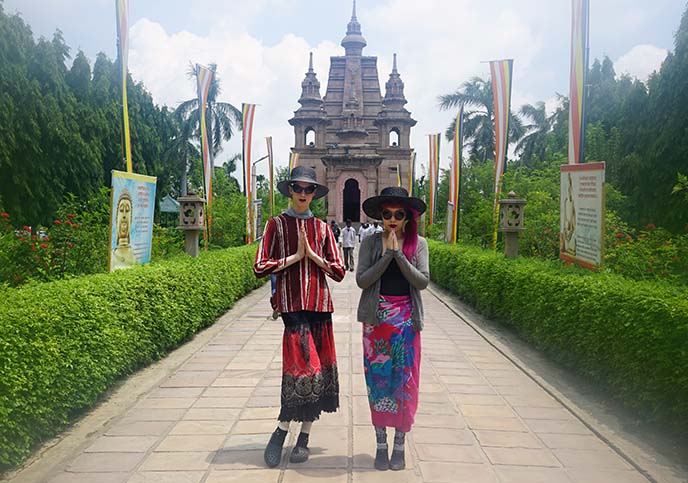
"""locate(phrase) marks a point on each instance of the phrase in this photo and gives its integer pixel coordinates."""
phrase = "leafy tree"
(222, 118)
(476, 97)
(532, 146)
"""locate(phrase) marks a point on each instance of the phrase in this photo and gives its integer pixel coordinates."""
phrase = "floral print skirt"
(391, 359)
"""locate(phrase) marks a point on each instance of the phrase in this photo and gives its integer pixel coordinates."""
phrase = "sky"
(261, 48)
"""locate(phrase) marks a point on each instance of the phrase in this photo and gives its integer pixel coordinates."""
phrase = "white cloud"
(441, 44)
(249, 71)
(641, 61)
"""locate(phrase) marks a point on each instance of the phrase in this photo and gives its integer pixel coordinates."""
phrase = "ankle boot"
(382, 459)
(300, 452)
(398, 461)
(273, 451)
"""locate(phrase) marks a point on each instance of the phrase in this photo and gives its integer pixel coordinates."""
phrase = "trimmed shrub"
(63, 344)
(627, 336)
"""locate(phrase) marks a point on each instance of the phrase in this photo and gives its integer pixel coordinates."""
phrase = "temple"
(354, 138)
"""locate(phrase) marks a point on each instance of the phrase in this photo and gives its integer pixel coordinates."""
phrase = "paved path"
(480, 418)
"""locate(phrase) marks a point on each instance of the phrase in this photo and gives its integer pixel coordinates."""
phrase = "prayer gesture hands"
(303, 243)
(305, 249)
(390, 241)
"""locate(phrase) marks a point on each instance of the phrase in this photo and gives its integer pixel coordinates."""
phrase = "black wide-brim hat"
(306, 175)
(392, 195)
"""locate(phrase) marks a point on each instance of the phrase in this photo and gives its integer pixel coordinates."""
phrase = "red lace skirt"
(310, 383)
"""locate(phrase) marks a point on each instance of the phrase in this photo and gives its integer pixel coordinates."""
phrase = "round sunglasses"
(297, 188)
(398, 214)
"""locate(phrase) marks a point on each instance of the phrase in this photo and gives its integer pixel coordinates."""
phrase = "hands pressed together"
(305, 249)
(390, 241)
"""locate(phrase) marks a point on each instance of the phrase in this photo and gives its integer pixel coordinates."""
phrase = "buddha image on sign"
(123, 254)
(569, 232)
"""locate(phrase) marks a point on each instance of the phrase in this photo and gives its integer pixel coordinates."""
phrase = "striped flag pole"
(580, 21)
(501, 71)
(412, 170)
(433, 172)
(399, 175)
(293, 161)
(204, 77)
(455, 181)
(271, 171)
(248, 112)
(122, 7)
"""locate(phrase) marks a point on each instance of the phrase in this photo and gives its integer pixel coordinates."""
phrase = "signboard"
(131, 219)
(582, 209)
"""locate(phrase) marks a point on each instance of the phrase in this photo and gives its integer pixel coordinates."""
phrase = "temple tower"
(353, 137)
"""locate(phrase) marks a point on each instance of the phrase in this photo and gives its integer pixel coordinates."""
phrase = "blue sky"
(261, 47)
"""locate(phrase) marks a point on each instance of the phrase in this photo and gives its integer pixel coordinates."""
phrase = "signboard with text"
(131, 219)
(582, 210)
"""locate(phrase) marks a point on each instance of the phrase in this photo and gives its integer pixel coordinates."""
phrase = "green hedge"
(629, 337)
(63, 344)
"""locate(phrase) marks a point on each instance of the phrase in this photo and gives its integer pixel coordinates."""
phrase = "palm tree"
(534, 142)
(230, 166)
(221, 117)
(182, 149)
(475, 95)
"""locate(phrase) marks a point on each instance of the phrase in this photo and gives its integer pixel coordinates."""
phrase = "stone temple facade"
(355, 138)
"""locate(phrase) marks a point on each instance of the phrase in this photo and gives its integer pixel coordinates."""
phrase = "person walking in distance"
(348, 244)
(301, 250)
(335, 230)
(392, 270)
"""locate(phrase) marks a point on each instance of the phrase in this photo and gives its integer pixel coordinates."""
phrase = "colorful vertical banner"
(501, 71)
(412, 170)
(204, 77)
(123, 51)
(132, 206)
(293, 161)
(399, 175)
(455, 181)
(271, 175)
(433, 174)
(580, 21)
(248, 111)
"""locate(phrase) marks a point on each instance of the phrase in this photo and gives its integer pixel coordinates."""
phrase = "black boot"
(382, 459)
(300, 452)
(382, 455)
(398, 461)
(273, 451)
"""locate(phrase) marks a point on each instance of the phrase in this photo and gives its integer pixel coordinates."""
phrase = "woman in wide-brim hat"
(392, 270)
(302, 251)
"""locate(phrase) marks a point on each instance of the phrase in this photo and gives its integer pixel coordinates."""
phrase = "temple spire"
(353, 42)
(394, 89)
(310, 87)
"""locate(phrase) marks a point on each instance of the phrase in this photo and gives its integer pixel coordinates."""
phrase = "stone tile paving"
(480, 418)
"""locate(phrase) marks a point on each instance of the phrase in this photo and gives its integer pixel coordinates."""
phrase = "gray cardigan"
(372, 263)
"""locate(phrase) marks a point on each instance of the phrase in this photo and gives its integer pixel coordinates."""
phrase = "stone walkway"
(480, 418)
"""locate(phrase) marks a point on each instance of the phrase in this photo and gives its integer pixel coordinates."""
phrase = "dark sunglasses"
(398, 214)
(297, 188)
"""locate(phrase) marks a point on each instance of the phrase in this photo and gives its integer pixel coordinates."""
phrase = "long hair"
(411, 234)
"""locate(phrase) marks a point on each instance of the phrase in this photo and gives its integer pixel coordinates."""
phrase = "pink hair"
(411, 234)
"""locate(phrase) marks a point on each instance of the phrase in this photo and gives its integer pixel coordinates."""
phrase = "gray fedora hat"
(393, 194)
(305, 175)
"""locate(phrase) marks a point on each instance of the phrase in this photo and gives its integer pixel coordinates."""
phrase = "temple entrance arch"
(352, 189)
(352, 200)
